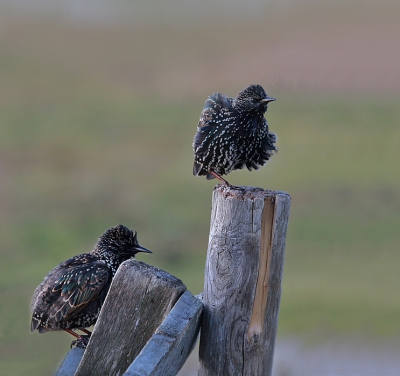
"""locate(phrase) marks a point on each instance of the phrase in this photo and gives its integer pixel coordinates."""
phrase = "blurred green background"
(99, 103)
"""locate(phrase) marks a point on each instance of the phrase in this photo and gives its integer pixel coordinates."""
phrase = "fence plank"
(242, 284)
(71, 362)
(168, 348)
(139, 299)
(173, 341)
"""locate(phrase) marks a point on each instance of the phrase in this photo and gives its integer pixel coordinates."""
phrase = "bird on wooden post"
(232, 133)
(71, 295)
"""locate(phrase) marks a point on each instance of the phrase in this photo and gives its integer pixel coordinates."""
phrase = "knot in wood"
(224, 260)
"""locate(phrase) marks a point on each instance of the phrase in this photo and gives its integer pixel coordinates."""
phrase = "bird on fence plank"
(232, 133)
(71, 295)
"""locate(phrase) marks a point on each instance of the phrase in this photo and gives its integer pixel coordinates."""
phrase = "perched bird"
(71, 295)
(232, 133)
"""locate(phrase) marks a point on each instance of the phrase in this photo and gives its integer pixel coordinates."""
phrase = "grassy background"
(97, 119)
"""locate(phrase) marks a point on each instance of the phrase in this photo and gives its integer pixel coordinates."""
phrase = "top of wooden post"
(247, 192)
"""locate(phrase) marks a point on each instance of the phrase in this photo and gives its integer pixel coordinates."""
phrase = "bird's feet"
(237, 188)
(81, 342)
(226, 183)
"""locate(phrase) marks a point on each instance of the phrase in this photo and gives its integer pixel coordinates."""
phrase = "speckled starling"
(232, 133)
(71, 295)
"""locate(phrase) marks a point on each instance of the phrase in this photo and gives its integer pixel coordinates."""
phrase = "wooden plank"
(71, 362)
(173, 341)
(140, 298)
(242, 284)
(168, 348)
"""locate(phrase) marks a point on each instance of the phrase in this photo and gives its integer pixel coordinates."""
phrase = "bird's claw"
(237, 188)
(234, 187)
(81, 342)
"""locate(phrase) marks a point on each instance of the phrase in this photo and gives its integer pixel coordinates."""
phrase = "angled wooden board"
(140, 298)
(71, 362)
(173, 341)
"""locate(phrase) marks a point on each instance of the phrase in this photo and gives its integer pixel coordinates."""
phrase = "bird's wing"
(214, 108)
(217, 111)
(77, 286)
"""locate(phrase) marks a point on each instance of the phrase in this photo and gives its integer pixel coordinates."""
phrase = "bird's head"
(121, 241)
(253, 98)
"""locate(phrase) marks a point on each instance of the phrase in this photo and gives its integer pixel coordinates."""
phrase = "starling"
(232, 133)
(71, 295)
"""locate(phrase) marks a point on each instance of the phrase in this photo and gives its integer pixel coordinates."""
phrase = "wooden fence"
(150, 322)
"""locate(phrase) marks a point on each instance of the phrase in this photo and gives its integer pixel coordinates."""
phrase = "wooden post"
(242, 284)
(140, 297)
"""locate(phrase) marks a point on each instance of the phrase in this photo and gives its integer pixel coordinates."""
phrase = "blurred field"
(97, 120)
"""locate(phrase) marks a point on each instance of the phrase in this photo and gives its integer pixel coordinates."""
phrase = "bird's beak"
(268, 99)
(139, 248)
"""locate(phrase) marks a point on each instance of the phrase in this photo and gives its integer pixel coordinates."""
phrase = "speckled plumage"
(71, 295)
(232, 133)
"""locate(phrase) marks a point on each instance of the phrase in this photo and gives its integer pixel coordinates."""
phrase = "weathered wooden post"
(242, 284)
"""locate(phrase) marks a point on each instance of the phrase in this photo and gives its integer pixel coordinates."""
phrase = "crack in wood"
(256, 325)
